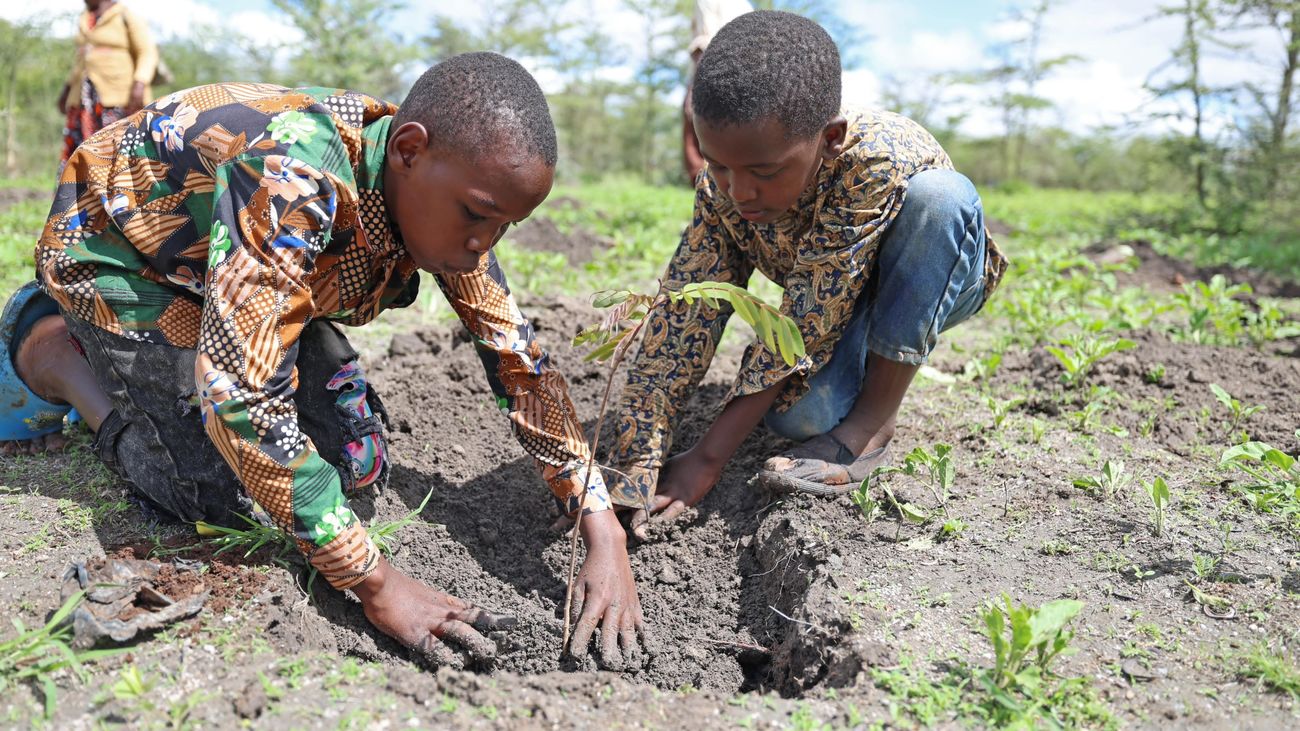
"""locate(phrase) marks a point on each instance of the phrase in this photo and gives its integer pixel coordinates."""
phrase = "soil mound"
(1159, 273)
(539, 233)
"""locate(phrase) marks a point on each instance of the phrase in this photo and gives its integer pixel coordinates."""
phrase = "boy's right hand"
(421, 618)
(684, 481)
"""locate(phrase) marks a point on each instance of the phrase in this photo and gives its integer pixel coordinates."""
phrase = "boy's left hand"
(605, 596)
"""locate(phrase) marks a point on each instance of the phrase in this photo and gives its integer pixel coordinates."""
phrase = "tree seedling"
(1085, 351)
(1158, 490)
(612, 338)
(1238, 412)
(869, 506)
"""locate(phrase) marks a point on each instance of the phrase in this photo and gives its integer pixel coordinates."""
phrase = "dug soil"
(792, 596)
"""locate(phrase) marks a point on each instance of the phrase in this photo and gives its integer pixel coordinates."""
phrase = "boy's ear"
(834, 136)
(406, 142)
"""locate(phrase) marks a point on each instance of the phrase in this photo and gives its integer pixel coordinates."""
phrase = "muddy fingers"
(479, 648)
(610, 656)
(433, 654)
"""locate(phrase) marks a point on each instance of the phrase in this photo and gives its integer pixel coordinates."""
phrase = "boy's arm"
(272, 215)
(676, 350)
(533, 395)
(528, 388)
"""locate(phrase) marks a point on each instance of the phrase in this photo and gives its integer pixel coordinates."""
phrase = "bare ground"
(766, 610)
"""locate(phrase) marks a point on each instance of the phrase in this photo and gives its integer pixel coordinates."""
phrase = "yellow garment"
(115, 53)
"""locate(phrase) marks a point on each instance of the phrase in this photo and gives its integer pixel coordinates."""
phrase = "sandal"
(824, 466)
(23, 414)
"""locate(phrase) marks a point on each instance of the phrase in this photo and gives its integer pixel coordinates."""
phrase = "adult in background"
(115, 62)
(709, 17)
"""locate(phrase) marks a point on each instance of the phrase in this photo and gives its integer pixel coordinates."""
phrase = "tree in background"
(1276, 103)
(1015, 80)
(345, 43)
(1200, 31)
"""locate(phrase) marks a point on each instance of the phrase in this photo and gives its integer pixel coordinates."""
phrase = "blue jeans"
(929, 277)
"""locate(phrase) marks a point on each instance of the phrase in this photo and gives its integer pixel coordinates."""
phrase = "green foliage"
(1237, 411)
(1085, 351)
(1022, 691)
(36, 655)
(251, 539)
(1274, 669)
(1274, 485)
(867, 505)
(1158, 491)
(382, 533)
(1107, 484)
(935, 470)
(611, 337)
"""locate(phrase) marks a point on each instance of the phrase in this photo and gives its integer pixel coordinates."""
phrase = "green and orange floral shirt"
(223, 219)
(821, 252)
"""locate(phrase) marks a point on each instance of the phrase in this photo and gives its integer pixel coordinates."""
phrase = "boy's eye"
(767, 176)
(470, 215)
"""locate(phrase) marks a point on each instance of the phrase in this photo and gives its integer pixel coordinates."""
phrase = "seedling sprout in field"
(1275, 479)
(35, 655)
(614, 335)
(1085, 351)
(1238, 412)
(1108, 484)
(1158, 490)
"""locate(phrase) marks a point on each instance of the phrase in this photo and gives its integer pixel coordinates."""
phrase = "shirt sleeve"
(676, 349)
(528, 388)
(832, 267)
(144, 52)
(271, 217)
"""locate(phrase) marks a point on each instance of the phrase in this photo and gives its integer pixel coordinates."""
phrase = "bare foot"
(52, 443)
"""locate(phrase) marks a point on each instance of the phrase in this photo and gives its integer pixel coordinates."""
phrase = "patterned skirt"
(87, 119)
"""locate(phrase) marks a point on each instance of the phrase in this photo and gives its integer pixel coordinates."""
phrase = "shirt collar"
(380, 227)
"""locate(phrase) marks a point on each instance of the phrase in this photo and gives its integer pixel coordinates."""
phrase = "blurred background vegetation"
(1218, 180)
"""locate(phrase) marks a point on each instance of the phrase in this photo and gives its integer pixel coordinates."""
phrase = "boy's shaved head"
(474, 101)
(769, 64)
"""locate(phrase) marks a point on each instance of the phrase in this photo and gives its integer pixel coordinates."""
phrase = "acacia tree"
(1277, 103)
(342, 46)
(1201, 32)
(1016, 77)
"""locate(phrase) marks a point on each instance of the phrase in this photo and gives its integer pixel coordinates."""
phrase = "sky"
(899, 39)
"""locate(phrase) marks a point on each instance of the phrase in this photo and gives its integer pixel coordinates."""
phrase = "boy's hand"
(421, 618)
(605, 595)
(684, 481)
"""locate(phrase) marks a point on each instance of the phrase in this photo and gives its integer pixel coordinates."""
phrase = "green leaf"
(1052, 618)
(1221, 395)
(610, 297)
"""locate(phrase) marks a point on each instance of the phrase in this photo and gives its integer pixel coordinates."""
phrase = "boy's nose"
(743, 190)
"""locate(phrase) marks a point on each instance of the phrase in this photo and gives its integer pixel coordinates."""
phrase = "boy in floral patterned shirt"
(198, 252)
(859, 215)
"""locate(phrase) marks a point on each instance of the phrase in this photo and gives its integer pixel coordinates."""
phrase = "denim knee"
(933, 251)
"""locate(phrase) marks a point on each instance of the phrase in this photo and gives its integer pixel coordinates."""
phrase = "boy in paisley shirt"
(879, 244)
(193, 261)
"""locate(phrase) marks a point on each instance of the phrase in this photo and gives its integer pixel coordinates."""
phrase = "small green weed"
(1108, 484)
(1238, 412)
(35, 655)
(383, 533)
(1158, 490)
(1085, 351)
(1275, 669)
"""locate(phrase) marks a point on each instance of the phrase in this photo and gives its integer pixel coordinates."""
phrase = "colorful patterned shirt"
(821, 251)
(223, 219)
